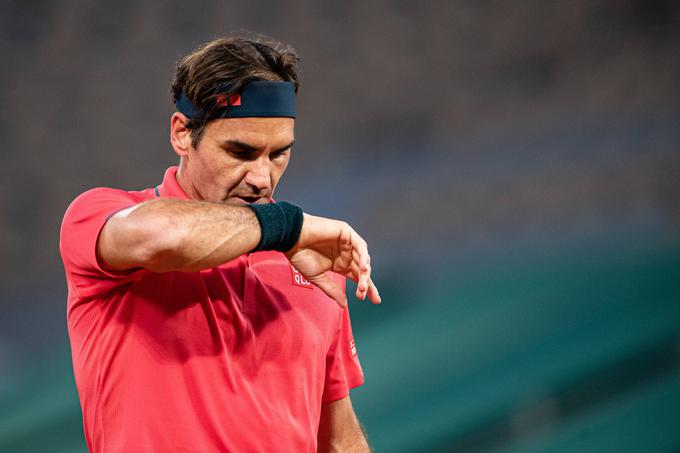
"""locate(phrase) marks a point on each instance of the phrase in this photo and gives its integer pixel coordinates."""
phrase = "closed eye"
(242, 155)
(279, 154)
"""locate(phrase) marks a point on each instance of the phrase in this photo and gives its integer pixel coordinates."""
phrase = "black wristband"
(280, 225)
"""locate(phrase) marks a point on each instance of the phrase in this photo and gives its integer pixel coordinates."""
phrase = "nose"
(258, 176)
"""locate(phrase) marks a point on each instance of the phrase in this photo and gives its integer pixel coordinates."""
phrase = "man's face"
(238, 160)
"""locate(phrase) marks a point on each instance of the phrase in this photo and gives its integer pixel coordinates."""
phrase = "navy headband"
(258, 98)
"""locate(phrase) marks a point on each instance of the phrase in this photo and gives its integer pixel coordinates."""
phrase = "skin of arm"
(165, 235)
(340, 430)
(177, 235)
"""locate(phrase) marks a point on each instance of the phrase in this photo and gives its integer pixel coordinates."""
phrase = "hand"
(331, 245)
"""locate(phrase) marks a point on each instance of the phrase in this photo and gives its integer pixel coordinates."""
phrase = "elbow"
(160, 245)
(144, 236)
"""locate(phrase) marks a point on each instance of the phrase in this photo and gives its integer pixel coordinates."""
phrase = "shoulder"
(104, 194)
(103, 199)
(83, 221)
(89, 210)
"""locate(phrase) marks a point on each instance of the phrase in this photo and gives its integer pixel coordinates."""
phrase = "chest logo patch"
(353, 347)
(298, 279)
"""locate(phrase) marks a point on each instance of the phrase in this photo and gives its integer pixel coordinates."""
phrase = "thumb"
(328, 286)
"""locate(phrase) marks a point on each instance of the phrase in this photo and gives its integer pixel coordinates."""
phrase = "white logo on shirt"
(353, 347)
(298, 279)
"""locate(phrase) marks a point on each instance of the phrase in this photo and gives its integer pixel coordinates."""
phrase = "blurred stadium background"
(515, 167)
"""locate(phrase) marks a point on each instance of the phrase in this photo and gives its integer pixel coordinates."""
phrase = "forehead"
(260, 132)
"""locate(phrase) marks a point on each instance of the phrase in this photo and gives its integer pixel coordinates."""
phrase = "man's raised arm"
(179, 235)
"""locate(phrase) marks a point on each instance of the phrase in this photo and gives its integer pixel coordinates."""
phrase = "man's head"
(231, 159)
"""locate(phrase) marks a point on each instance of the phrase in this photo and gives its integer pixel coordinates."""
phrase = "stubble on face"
(238, 160)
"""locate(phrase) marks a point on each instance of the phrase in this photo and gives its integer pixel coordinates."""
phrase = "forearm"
(355, 443)
(340, 430)
(165, 235)
(178, 235)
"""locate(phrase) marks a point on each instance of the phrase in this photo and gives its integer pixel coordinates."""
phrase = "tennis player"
(203, 315)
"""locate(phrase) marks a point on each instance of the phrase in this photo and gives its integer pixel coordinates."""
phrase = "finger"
(361, 248)
(363, 259)
(358, 244)
(332, 290)
(373, 294)
(362, 269)
(363, 284)
(362, 279)
(372, 290)
(353, 271)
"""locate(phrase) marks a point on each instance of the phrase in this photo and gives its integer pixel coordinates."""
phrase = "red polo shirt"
(234, 358)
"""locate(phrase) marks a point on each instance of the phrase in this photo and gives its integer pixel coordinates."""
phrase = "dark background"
(514, 166)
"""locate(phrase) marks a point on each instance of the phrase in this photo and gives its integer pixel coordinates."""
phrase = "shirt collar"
(170, 188)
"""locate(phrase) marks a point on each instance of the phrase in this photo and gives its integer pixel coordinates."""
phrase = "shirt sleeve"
(83, 221)
(343, 369)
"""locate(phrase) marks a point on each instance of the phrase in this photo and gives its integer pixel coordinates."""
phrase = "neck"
(184, 182)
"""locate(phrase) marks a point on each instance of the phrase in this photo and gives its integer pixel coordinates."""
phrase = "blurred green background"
(514, 166)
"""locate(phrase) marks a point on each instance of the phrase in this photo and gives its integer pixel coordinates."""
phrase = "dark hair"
(232, 61)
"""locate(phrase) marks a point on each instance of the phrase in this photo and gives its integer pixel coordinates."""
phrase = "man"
(203, 316)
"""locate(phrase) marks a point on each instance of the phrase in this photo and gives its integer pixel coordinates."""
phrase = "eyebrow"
(247, 148)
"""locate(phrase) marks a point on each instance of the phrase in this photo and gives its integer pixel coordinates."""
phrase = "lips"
(249, 199)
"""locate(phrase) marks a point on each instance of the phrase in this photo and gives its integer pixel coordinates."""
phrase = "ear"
(180, 135)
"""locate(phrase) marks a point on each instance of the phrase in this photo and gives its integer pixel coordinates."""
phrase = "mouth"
(249, 200)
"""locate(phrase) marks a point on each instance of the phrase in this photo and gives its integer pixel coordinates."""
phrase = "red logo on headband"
(234, 100)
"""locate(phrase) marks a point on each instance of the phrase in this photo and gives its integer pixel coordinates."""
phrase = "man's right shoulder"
(108, 194)
(83, 221)
(105, 196)
(101, 202)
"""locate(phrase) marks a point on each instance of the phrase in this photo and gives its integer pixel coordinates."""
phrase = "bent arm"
(339, 429)
(177, 235)
(165, 235)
